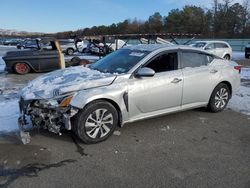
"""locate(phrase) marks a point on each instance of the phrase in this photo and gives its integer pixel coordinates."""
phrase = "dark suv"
(247, 50)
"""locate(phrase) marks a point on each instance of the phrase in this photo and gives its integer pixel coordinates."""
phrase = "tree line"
(225, 19)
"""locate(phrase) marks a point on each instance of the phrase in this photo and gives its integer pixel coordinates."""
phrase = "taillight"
(238, 68)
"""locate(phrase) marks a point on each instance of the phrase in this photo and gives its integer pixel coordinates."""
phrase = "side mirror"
(145, 72)
(208, 48)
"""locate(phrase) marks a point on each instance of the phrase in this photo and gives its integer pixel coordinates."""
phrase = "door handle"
(213, 71)
(176, 80)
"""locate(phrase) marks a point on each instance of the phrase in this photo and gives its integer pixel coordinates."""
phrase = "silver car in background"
(219, 48)
(68, 46)
(130, 84)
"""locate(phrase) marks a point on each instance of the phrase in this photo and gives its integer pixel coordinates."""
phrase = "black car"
(46, 57)
(247, 50)
(11, 42)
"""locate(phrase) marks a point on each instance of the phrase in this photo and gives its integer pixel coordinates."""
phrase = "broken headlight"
(56, 102)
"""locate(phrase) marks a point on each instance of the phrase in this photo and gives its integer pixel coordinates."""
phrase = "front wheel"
(219, 98)
(96, 122)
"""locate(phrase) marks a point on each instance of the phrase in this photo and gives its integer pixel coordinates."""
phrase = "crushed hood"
(64, 81)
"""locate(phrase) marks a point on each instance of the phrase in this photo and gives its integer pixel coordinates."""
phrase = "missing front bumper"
(54, 119)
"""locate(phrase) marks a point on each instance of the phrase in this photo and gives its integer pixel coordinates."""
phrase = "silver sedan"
(130, 84)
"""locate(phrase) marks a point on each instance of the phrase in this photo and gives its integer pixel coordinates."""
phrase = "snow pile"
(245, 73)
(241, 101)
(9, 115)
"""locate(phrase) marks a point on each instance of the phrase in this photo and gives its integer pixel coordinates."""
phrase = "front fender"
(109, 93)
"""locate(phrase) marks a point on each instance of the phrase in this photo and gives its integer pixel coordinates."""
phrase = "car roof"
(154, 47)
(211, 41)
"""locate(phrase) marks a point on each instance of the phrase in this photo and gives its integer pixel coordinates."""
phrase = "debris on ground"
(117, 133)
(25, 137)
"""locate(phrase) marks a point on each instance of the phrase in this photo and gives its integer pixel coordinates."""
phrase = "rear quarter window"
(221, 45)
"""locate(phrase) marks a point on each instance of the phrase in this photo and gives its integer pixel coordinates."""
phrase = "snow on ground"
(241, 101)
(9, 115)
(238, 55)
(245, 73)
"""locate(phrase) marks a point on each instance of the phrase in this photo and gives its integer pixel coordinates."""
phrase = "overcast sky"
(64, 15)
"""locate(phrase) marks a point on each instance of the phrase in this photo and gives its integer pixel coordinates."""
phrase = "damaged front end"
(53, 115)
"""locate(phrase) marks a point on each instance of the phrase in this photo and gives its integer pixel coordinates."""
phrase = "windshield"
(199, 44)
(120, 61)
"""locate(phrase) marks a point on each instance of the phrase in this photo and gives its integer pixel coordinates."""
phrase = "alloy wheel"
(221, 98)
(99, 123)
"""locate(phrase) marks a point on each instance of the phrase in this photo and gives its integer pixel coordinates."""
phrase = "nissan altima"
(131, 84)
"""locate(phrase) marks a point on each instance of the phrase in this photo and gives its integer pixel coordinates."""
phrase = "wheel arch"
(117, 107)
(227, 54)
(229, 85)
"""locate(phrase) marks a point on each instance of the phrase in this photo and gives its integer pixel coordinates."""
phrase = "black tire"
(21, 68)
(70, 51)
(73, 62)
(227, 57)
(88, 114)
(214, 105)
(84, 50)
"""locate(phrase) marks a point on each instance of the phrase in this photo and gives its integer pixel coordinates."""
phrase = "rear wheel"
(84, 50)
(219, 98)
(227, 57)
(96, 122)
(70, 51)
(21, 68)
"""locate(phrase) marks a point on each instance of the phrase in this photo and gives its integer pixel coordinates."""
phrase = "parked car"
(98, 48)
(68, 46)
(11, 42)
(1, 41)
(82, 45)
(28, 44)
(130, 84)
(44, 58)
(219, 48)
(247, 50)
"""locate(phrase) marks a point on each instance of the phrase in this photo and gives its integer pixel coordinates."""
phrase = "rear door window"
(195, 59)
(221, 45)
(210, 46)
